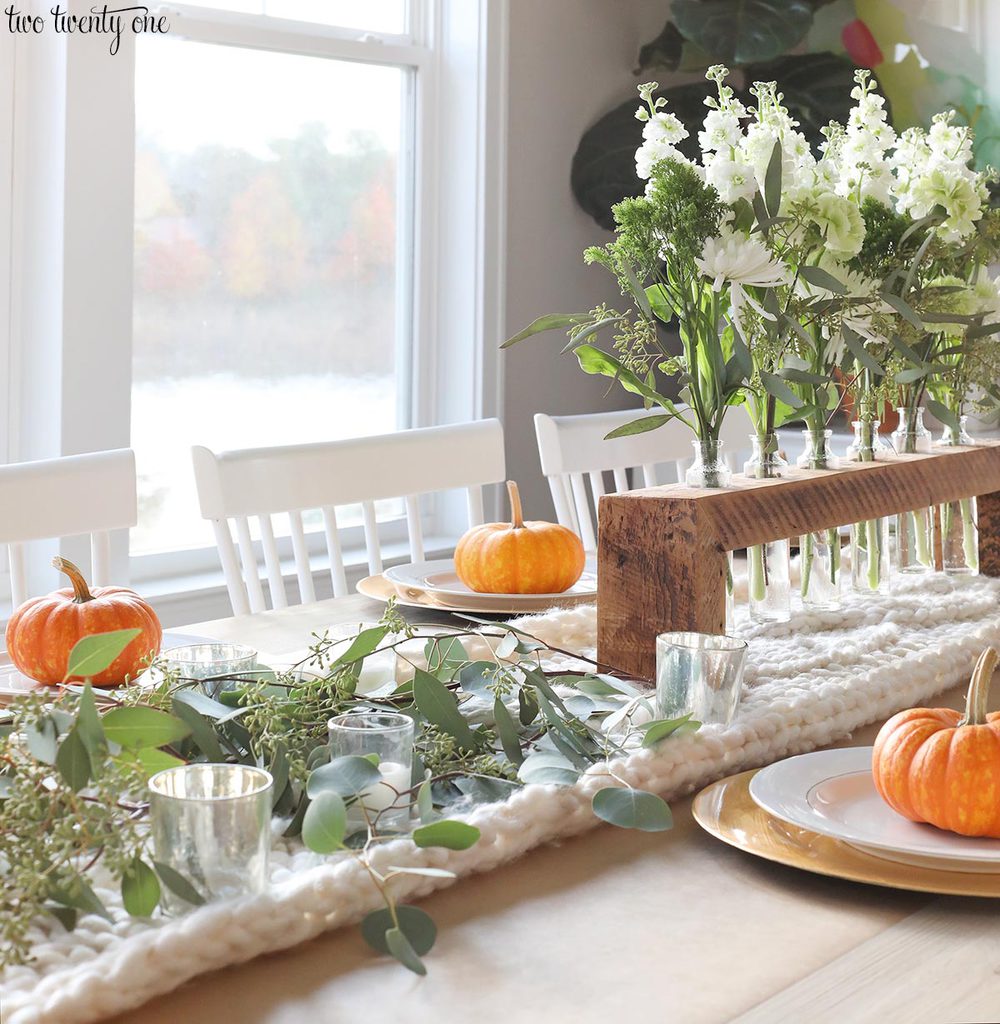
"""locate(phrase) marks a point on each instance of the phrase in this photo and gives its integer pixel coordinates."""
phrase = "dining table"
(619, 925)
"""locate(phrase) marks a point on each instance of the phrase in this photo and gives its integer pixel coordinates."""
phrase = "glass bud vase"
(710, 470)
(870, 539)
(959, 520)
(768, 577)
(914, 550)
(819, 552)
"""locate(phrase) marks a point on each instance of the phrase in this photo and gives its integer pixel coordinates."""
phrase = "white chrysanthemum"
(734, 259)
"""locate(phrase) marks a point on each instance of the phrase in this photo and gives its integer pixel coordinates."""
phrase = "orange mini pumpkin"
(519, 557)
(942, 767)
(43, 630)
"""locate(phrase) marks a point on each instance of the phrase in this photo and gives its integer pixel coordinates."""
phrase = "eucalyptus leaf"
(93, 654)
(820, 278)
(66, 916)
(143, 727)
(345, 776)
(982, 331)
(507, 732)
(632, 808)
(547, 769)
(640, 426)
(178, 884)
(401, 949)
(904, 309)
(201, 703)
(424, 872)
(140, 889)
(41, 739)
(88, 725)
(154, 760)
(80, 897)
(438, 705)
(911, 375)
(73, 761)
(856, 346)
(416, 924)
(549, 322)
(365, 643)
(452, 835)
(325, 822)
(425, 803)
(775, 386)
(772, 181)
(658, 730)
(941, 412)
(202, 732)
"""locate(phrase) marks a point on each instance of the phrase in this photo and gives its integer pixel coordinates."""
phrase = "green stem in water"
(920, 531)
(806, 563)
(970, 535)
(874, 546)
(833, 540)
(758, 578)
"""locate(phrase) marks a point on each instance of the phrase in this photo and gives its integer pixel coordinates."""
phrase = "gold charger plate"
(727, 811)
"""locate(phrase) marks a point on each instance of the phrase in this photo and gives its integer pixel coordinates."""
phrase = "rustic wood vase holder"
(662, 551)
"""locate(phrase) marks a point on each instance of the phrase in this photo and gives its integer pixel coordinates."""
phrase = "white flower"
(986, 295)
(731, 179)
(664, 127)
(741, 261)
(721, 132)
(652, 152)
(841, 223)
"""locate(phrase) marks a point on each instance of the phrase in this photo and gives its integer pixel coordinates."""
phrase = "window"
(271, 266)
(281, 221)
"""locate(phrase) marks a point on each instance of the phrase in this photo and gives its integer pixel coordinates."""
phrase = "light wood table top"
(618, 925)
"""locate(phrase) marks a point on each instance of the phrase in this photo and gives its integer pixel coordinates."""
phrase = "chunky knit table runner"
(810, 682)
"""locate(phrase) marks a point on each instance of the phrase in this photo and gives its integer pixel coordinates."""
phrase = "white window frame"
(75, 105)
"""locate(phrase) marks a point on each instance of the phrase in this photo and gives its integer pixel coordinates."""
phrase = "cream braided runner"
(810, 682)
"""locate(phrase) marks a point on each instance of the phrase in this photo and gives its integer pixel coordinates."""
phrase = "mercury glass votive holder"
(384, 805)
(700, 675)
(211, 663)
(212, 824)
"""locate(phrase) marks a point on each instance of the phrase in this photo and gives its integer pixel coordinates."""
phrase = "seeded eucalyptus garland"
(73, 796)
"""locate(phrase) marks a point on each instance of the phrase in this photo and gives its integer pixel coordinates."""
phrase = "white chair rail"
(574, 453)
(66, 497)
(235, 487)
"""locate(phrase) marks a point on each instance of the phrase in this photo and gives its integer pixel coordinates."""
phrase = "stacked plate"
(436, 585)
(831, 792)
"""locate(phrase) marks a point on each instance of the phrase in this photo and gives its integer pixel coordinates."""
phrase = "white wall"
(570, 62)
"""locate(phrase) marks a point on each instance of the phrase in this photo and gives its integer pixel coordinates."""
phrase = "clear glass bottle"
(709, 469)
(768, 576)
(914, 549)
(819, 552)
(869, 539)
(959, 519)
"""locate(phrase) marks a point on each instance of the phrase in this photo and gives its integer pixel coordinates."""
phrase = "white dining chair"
(257, 483)
(66, 497)
(580, 465)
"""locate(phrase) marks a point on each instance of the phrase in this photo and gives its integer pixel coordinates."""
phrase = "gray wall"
(570, 62)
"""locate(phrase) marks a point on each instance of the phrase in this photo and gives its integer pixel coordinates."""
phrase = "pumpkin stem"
(979, 688)
(81, 592)
(516, 515)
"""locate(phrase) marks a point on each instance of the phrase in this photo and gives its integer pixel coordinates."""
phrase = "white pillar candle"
(380, 795)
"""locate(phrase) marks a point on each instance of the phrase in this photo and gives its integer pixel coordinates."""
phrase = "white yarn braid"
(809, 682)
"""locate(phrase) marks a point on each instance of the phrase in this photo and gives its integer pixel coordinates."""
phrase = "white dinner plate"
(13, 684)
(438, 581)
(832, 792)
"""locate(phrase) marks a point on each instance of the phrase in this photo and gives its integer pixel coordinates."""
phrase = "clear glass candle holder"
(212, 824)
(700, 675)
(212, 664)
(384, 805)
